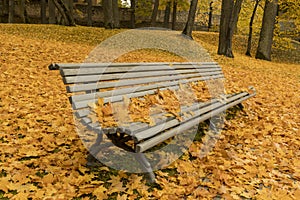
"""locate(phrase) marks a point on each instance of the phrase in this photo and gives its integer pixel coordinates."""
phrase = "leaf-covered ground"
(42, 157)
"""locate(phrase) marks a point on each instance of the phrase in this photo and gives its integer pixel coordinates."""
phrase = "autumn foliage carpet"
(42, 157)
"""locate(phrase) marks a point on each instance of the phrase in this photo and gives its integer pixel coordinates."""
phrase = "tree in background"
(210, 14)
(229, 17)
(249, 44)
(11, 11)
(22, 10)
(43, 11)
(116, 13)
(167, 14)
(191, 18)
(64, 10)
(52, 18)
(89, 13)
(154, 12)
(267, 31)
(132, 13)
(111, 14)
(174, 14)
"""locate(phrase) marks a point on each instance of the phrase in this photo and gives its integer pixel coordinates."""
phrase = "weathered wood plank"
(131, 75)
(121, 83)
(143, 146)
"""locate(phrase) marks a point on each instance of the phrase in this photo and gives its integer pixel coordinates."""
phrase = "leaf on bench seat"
(149, 108)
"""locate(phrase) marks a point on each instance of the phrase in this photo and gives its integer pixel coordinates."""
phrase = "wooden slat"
(120, 83)
(82, 113)
(151, 131)
(83, 104)
(123, 76)
(162, 118)
(128, 90)
(185, 126)
(92, 65)
(109, 70)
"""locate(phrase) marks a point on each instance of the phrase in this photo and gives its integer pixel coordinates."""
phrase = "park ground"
(42, 157)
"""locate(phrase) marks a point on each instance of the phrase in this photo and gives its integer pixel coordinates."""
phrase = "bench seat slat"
(161, 118)
(143, 146)
(82, 113)
(151, 131)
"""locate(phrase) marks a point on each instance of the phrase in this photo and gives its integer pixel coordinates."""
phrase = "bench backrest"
(113, 81)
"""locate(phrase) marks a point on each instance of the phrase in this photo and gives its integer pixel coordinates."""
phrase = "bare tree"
(267, 30)
(1, 10)
(63, 9)
(108, 13)
(11, 11)
(154, 12)
(229, 18)
(51, 6)
(174, 14)
(22, 10)
(191, 18)
(43, 11)
(210, 14)
(89, 13)
(5, 9)
(167, 14)
(116, 14)
(248, 52)
(132, 14)
(111, 14)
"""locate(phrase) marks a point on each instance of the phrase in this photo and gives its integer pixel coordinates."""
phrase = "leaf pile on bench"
(143, 108)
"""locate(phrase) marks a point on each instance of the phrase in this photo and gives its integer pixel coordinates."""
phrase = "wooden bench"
(88, 82)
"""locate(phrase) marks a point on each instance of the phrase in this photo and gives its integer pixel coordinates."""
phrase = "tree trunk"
(132, 14)
(167, 14)
(116, 14)
(89, 13)
(11, 11)
(154, 12)
(267, 30)
(51, 6)
(108, 14)
(232, 26)
(65, 12)
(70, 4)
(174, 14)
(229, 18)
(226, 12)
(210, 14)
(1, 10)
(191, 18)
(22, 10)
(5, 10)
(43, 11)
(248, 52)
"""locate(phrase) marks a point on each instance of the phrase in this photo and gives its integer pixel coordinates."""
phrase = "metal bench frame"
(87, 80)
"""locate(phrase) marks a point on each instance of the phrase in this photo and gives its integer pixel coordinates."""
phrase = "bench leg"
(216, 122)
(94, 150)
(140, 157)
